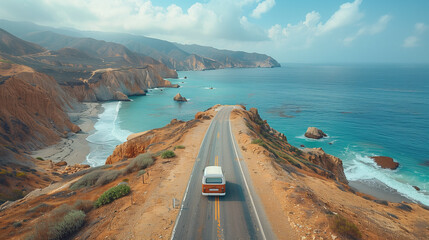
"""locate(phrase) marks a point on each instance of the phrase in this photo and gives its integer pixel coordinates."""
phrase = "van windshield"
(213, 180)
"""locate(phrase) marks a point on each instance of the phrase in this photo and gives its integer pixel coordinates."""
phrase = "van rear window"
(213, 180)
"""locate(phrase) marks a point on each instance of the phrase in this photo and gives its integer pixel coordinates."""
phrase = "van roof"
(213, 170)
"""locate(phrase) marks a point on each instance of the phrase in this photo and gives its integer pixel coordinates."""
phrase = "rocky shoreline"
(75, 148)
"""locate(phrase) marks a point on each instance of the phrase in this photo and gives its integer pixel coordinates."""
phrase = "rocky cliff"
(32, 109)
(113, 84)
(275, 145)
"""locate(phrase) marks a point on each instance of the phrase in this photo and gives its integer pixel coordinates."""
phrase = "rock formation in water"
(386, 162)
(179, 98)
(315, 133)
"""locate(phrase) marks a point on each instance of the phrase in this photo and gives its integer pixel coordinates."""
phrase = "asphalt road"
(239, 214)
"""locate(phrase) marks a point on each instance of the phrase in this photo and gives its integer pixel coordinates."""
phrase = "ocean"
(366, 110)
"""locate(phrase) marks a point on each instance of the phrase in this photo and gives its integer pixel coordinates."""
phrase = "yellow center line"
(218, 134)
(216, 160)
(218, 210)
(215, 210)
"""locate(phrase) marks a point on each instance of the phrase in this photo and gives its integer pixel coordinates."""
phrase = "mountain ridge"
(173, 55)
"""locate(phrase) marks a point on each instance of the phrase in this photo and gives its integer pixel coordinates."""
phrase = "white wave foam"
(361, 167)
(324, 139)
(107, 134)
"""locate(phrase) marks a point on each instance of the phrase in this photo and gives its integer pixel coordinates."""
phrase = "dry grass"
(140, 162)
(345, 228)
(60, 223)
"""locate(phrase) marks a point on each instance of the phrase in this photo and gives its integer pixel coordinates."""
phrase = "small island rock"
(315, 133)
(386, 162)
(179, 98)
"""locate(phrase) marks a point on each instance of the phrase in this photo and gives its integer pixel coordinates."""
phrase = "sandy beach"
(75, 148)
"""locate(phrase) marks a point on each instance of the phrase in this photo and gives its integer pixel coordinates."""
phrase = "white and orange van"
(213, 181)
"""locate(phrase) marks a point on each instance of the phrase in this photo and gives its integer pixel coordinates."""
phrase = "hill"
(303, 190)
(175, 56)
(12, 45)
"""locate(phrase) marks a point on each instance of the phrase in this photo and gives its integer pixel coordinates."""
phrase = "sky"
(305, 31)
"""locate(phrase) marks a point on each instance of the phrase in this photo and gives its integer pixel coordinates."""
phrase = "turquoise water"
(365, 109)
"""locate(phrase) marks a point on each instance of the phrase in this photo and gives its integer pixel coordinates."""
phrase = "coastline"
(379, 190)
(75, 148)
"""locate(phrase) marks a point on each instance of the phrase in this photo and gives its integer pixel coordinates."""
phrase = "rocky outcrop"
(315, 133)
(32, 110)
(152, 141)
(203, 116)
(385, 162)
(179, 98)
(116, 84)
(328, 162)
(120, 96)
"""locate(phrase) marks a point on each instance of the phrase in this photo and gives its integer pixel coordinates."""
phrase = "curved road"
(239, 214)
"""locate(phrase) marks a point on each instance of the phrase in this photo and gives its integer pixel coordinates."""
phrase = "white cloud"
(216, 19)
(347, 14)
(413, 40)
(373, 29)
(262, 8)
(302, 34)
(410, 41)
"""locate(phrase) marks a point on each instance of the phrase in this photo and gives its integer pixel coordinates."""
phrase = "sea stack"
(386, 162)
(315, 133)
(179, 98)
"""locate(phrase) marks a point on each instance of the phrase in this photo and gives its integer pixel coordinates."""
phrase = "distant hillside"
(175, 56)
(12, 45)
(231, 59)
(72, 58)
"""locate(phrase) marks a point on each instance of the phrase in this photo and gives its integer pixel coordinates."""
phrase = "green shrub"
(179, 147)
(142, 161)
(70, 224)
(257, 141)
(141, 172)
(16, 224)
(112, 194)
(21, 174)
(60, 223)
(40, 158)
(87, 180)
(125, 180)
(42, 207)
(4, 172)
(84, 205)
(345, 228)
(107, 177)
(168, 154)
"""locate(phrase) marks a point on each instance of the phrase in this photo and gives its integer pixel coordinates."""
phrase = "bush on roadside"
(257, 141)
(140, 162)
(42, 207)
(141, 172)
(112, 194)
(40, 158)
(107, 177)
(60, 223)
(83, 205)
(345, 228)
(17, 224)
(96, 178)
(168, 154)
(70, 224)
(179, 147)
(87, 180)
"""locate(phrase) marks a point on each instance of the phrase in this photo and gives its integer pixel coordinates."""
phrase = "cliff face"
(32, 109)
(112, 84)
(153, 140)
(275, 145)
